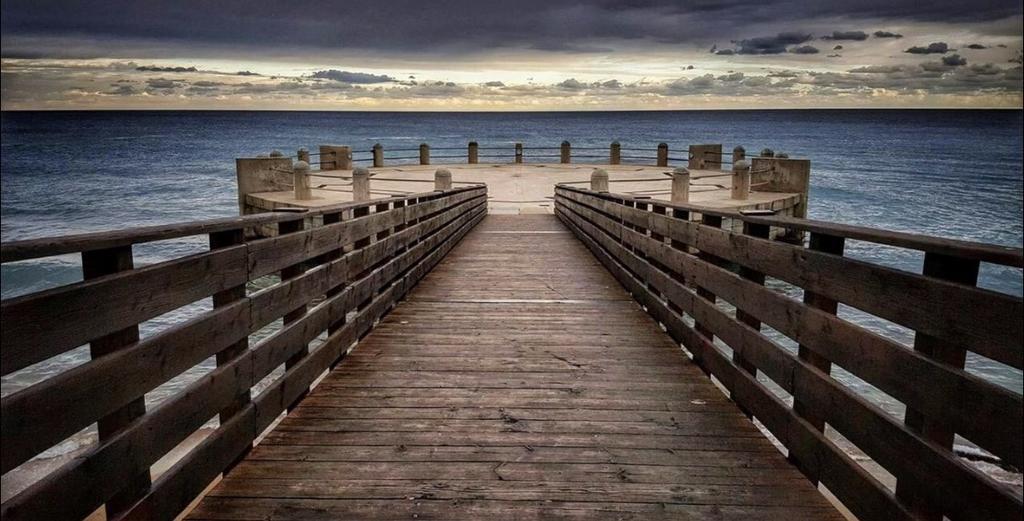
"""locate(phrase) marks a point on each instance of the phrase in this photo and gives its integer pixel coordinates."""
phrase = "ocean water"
(952, 173)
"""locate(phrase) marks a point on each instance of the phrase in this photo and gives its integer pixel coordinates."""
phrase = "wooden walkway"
(517, 381)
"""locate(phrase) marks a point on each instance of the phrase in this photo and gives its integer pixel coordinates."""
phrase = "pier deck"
(517, 380)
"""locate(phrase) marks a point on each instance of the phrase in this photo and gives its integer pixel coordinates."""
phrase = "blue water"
(944, 172)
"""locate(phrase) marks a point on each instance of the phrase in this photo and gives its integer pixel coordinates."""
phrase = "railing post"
(360, 184)
(96, 264)
(288, 273)
(740, 180)
(615, 153)
(739, 154)
(519, 153)
(767, 152)
(473, 154)
(218, 240)
(442, 179)
(662, 154)
(276, 154)
(302, 155)
(335, 157)
(378, 155)
(680, 185)
(424, 154)
(827, 244)
(302, 189)
(599, 180)
(566, 152)
(960, 271)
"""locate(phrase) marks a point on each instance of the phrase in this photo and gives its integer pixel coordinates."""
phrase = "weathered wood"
(875, 432)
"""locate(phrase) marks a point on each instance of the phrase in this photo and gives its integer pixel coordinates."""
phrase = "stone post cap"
(767, 152)
(360, 171)
(599, 172)
(303, 149)
(301, 165)
(443, 172)
(615, 142)
(276, 153)
(565, 143)
(739, 149)
(681, 170)
(740, 165)
(782, 155)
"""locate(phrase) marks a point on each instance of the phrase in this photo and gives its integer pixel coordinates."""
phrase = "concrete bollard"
(681, 185)
(767, 152)
(599, 180)
(442, 179)
(335, 157)
(360, 184)
(662, 154)
(302, 155)
(566, 153)
(739, 154)
(781, 155)
(615, 153)
(424, 154)
(740, 180)
(378, 155)
(473, 153)
(519, 153)
(302, 190)
(276, 153)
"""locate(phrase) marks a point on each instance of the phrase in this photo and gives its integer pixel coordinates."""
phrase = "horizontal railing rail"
(335, 280)
(682, 270)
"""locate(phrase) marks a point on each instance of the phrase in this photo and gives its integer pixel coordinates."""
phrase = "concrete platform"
(524, 188)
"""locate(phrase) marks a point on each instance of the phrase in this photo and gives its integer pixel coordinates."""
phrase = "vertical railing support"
(739, 154)
(424, 154)
(288, 273)
(680, 185)
(302, 155)
(335, 157)
(662, 154)
(599, 180)
(378, 155)
(302, 190)
(960, 271)
(566, 153)
(615, 153)
(740, 180)
(519, 153)
(442, 179)
(473, 153)
(98, 263)
(360, 184)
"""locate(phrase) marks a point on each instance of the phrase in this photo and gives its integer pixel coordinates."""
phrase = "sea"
(952, 173)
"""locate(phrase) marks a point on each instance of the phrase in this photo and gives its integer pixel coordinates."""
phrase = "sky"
(497, 55)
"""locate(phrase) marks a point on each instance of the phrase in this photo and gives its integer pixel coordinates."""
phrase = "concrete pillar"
(599, 180)
(276, 153)
(378, 155)
(781, 155)
(360, 184)
(442, 179)
(739, 154)
(335, 157)
(566, 152)
(302, 190)
(681, 185)
(615, 153)
(424, 154)
(519, 153)
(261, 174)
(474, 152)
(303, 155)
(662, 154)
(740, 180)
(767, 152)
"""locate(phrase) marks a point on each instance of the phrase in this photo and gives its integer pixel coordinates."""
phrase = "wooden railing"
(680, 270)
(338, 279)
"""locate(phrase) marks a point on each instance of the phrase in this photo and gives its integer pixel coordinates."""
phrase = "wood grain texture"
(516, 379)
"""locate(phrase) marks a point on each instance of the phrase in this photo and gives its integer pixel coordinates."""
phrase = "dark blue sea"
(954, 173)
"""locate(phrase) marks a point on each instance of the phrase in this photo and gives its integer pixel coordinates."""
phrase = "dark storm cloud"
(976, 46)
(805, 49)
(887, 34)
(932, 48)
(153, 68)
(847, 35)
(352, 77)
(953, 60)
(30, 28)
(777, 44)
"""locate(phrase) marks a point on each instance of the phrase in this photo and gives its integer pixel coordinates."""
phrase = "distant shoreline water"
(946, 172)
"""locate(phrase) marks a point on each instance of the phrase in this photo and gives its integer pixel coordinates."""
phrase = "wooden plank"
(877, 360)
(44, 324)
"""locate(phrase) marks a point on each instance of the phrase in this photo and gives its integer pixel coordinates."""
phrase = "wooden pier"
(412, 357)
